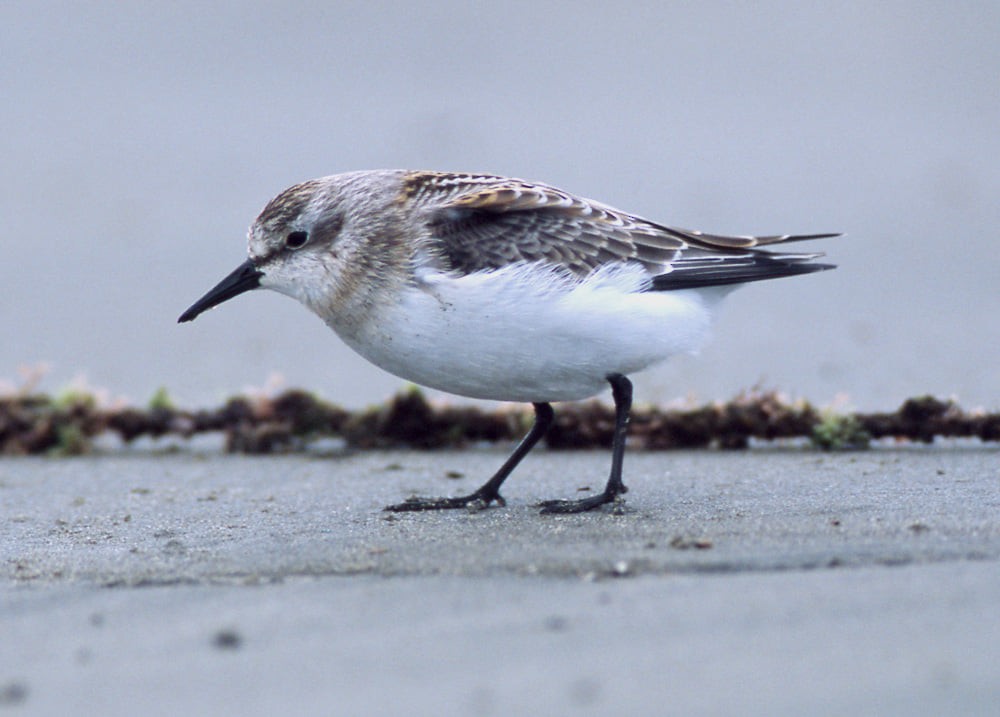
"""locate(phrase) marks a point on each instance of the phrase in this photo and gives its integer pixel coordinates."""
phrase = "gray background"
(139, 141)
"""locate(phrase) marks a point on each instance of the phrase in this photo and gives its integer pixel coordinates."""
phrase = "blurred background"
(140, 139)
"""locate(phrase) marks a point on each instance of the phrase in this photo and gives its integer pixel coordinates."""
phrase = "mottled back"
(480, 222)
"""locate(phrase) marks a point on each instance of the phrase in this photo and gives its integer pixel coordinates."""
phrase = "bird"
(499, 288)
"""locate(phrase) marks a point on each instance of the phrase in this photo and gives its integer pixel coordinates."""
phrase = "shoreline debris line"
(38, 424)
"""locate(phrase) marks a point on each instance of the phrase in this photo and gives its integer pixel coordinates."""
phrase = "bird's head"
(313, 242)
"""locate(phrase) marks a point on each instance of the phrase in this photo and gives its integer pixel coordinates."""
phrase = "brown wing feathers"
(481, 222)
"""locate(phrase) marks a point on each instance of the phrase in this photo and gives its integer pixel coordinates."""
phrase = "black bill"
(244, 278)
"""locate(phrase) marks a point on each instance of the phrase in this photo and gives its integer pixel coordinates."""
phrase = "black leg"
(621, 390)
(490, 490)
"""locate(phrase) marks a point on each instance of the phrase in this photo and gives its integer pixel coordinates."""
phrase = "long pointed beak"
(244, 278)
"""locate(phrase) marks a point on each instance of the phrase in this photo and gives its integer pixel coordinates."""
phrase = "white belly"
(524, 333)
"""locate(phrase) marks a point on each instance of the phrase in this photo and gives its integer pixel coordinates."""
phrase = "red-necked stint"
(498, 288)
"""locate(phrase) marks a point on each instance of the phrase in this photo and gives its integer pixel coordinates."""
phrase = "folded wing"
(480, 222)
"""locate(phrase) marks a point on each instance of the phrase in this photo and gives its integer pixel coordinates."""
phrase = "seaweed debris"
(68, 425)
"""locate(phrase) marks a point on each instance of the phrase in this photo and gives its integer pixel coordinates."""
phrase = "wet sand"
(762, 582)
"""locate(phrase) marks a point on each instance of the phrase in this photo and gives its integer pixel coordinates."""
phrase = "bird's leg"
(490, 490)
(621, 390)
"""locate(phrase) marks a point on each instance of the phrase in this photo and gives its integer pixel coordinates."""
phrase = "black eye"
(296, 240)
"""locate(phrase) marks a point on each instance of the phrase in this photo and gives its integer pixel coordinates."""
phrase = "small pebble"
(227, 640)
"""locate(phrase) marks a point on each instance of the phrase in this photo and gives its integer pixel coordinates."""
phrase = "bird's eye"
(296, 240)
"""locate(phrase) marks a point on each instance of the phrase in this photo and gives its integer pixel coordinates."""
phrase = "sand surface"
(766, 582)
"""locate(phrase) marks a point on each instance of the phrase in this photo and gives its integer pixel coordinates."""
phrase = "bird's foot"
(473, 502)
(616, 498)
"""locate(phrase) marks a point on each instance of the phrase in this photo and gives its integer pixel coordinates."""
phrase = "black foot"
(615, 490)
(489, 492)
(583, 504)
(473, 502)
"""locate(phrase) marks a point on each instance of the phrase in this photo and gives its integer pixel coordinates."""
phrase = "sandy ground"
(768, 582)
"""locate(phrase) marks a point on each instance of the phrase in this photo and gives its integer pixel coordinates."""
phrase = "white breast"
(527, 333)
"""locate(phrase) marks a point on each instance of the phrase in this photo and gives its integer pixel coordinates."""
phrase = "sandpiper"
(498, 288)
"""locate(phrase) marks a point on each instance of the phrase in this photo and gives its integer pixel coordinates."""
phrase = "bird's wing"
(478, 222)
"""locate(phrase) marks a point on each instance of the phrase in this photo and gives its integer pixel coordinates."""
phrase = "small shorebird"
(498, 288)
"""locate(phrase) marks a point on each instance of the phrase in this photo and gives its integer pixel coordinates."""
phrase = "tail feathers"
(722, 271)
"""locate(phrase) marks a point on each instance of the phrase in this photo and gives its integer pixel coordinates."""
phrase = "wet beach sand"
(754, 582)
